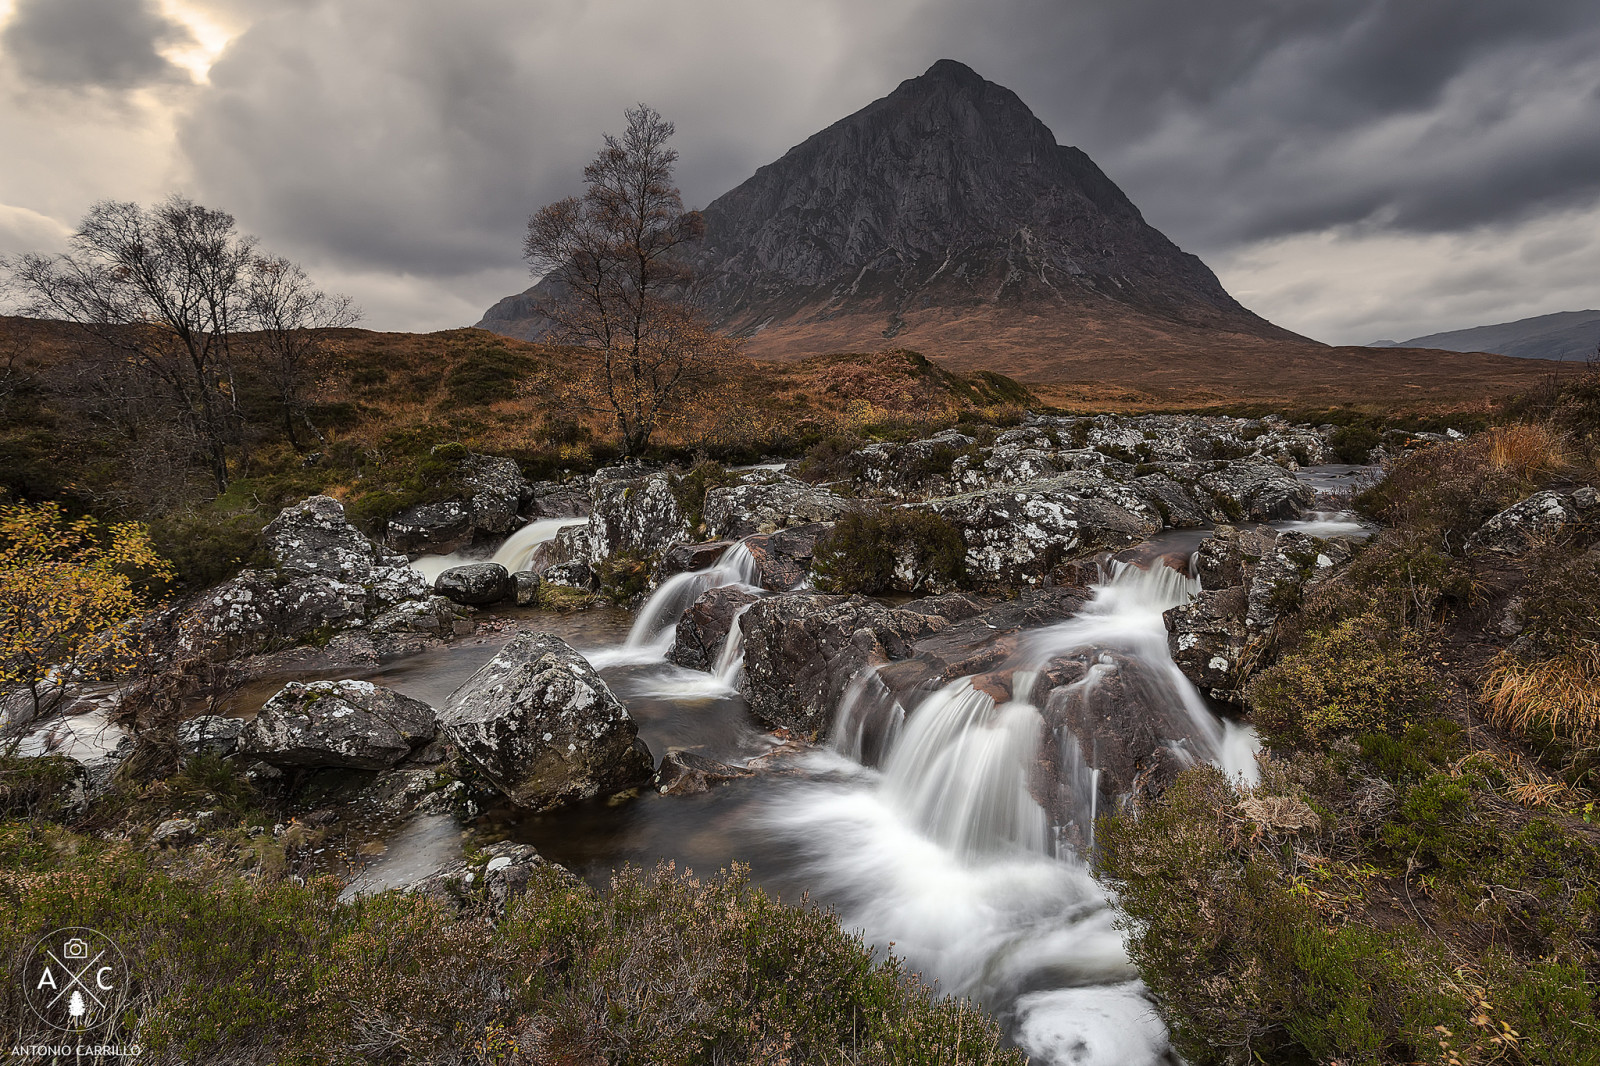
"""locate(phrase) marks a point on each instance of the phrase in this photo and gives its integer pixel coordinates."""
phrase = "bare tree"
(166, 287)
(613, 259)
(286, 311)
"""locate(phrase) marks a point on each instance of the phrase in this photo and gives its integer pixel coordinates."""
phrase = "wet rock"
(1208, 640)
(684, 773)
(784, 558)
(574, 575)
(174, 832)
(525, 588)
(352, 724)
(210, 734)
(439, 528)
(429, 617)
(686, 558)
(704, 626)
(544, 727)
(802, 650)
(1526, 522)
(768, 502)
(474, 584)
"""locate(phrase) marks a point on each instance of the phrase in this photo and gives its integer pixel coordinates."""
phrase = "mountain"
(1566, 335)
(945, 218)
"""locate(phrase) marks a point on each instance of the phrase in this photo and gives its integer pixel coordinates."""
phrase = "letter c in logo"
(100, 977)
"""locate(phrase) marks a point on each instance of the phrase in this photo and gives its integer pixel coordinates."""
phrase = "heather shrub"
(873, 552)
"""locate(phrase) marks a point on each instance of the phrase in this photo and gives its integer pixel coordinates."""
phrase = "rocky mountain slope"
(946, 203)
(1566, 335)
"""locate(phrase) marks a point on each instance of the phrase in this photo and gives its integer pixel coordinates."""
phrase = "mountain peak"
(952, 70)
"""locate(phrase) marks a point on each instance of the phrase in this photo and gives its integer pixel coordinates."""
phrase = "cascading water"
(514, 554)
(728, 670)
(947, 851)
(655, 625)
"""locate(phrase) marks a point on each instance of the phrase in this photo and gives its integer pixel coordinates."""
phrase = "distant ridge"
(1565, 335)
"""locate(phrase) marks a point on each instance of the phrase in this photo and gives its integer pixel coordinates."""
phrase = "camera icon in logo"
(76, 948)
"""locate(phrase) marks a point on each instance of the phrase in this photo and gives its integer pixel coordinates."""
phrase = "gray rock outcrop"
(351, 724)
(544, 727)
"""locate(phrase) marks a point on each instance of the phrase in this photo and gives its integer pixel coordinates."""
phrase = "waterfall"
(729, 667)
(514, 554)
(868, 720)
(654, 626)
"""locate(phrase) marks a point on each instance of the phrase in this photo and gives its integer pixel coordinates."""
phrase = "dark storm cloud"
(106, 43)
(401, 138)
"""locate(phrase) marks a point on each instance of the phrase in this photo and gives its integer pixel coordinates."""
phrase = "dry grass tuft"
(1560, 694)
(1526, 450)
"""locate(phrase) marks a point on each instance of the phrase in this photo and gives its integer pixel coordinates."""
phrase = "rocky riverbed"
(929, 761)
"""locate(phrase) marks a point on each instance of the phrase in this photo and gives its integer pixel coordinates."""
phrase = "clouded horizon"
(1351, 169)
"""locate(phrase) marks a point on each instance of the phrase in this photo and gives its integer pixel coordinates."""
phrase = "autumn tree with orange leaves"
(69, 597)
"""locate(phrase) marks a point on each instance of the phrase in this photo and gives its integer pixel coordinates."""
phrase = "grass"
(1539, 697)
(660, 967)
(1527, 451)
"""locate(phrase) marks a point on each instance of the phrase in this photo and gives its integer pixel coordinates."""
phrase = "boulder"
(1256, 490)
(686, 558)
(1178, 507)
(525, 588)
(497, 875)
(1208, 639)
(640, 516)
(210, 734)
(474, 584)
(802, 650)
(767, 502)
(783, 558)
(684, 773)
(574, 575)
(1526, 522)
(352, 724)
(1018, 535)
(431, 617)
(326, 576)
(705, 625)
(174, 831)
(495, 491)
(544, 727)
(557, 499)
(920, 468)
(439, 528)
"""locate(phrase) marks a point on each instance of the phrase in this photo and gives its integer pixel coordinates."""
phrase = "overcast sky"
(1352, 169)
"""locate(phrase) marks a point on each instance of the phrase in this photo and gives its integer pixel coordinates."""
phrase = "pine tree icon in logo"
(75, 1005)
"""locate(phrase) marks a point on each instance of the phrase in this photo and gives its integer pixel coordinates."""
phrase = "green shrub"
(1360, 676)
(207, 546)
(658, 968)
(486, 374)
(691, 488)
(1354, 443)
(873, 552)
(828, 460)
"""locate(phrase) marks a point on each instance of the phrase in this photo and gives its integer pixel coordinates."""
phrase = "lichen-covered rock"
(1526, 522)
(1176, 504)
(1017, 535)
(558, 499)
(640, 516)
(439, 528)
(705, 625)
(210, 734)
(686, 558)
(685, 773)
(429, 617)
(544, 727)
(574, 575)
(473, 584)
(174, 831)
(327, 576)
(766, 502)
(1208, 640)
(525, 588)
(353, 724)
(920, 468)
(494, 878)
(495, 491)
(1254, 489)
